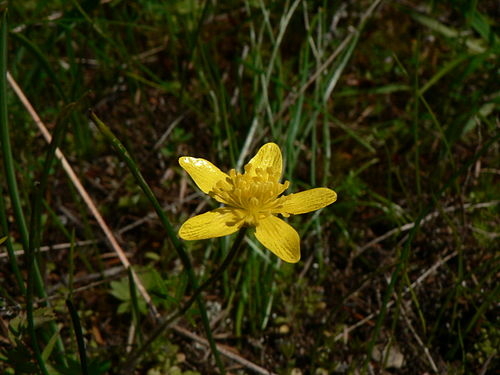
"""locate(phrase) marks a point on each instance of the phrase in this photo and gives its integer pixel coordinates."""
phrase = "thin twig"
(61, 246)
(226, 352)
(169, 130)
(418, 339)
(417, 282)
(487, 362)
(427, 218)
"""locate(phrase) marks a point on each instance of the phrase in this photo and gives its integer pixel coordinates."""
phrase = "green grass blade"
(36, 225)
(30, 240)
(77, 327)
(474, 45)
(447, 68)
(8, 160)
(415, 120)
(47, 351)
(30, 253)
(134, 169)
(193, 42)
(8, 244)
(71, 265)
(136, 315)
(480, 23)
(39, 55)
(489, 300)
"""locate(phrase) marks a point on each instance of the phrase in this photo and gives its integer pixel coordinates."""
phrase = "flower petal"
(205, 174)
(279, 237)
(268, 156)
(216, 223)
(307, 201)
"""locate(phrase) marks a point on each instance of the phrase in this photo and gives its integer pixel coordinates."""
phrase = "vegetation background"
(394, 104)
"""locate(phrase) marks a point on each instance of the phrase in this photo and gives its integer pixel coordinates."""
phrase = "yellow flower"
(253, 199)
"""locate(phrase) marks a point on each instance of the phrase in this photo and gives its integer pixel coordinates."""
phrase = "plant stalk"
(186, 261)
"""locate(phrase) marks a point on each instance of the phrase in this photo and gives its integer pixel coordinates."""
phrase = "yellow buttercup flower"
(252, 198)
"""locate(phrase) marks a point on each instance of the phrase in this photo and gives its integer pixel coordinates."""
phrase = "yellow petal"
(268, 156)
(205, 174)
(217, 223)
(309, 200)
(279, 237)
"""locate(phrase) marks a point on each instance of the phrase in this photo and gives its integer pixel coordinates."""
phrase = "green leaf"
(120, 290)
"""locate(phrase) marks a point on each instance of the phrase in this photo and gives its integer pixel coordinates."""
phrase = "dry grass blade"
(83, 193)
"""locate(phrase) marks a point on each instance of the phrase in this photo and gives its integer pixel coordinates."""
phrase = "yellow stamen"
(255, 193)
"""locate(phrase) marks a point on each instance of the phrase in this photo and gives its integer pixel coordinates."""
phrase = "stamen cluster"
(254, 193)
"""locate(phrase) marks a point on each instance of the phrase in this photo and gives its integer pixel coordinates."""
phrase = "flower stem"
(235, 250)
(183, 255)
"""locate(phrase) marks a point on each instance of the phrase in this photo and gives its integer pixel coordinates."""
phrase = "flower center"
(255, 193)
